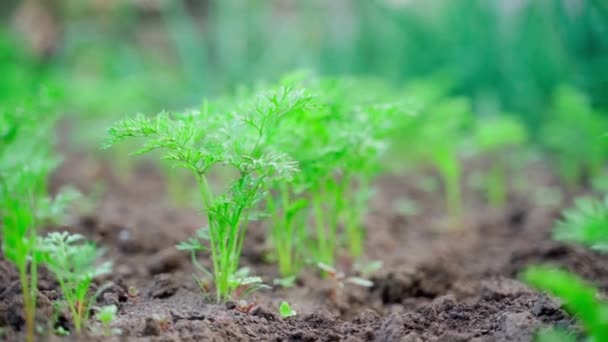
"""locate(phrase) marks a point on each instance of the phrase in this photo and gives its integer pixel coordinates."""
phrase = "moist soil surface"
(439, 281)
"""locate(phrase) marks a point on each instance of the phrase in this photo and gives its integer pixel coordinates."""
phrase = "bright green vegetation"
(285, 310)
(238, 139)
(74, 263)
(338, 143)
(495, 136)
(586, 223)
(579, 298)
(292, 155)
(439, 135)
(575, 135)
(26, 159)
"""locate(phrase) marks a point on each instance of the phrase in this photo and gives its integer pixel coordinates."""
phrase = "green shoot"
(586, 223)
(579, 298)
(439, 133)
(74, 263)
(285, 310)
(25, 163)
(238, 138)
(575, 135)
(494, 136)
(338, 144)
(106, 315)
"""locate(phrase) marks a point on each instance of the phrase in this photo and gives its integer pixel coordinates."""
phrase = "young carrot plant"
(586, 224)
(575, 135)
(438, 137)
(338, 145)
(75, 263)
(579, 298)
(495, 137)
(238, 138)
(26, 161)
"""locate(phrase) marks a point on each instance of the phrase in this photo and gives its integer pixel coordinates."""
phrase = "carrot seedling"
(438, 136)
(586, 224)
(579, 298)
(575, 136)
(285, 310)
(338, 144)
(25, 163)
(75, 263)
(494, 136)
(234, 137)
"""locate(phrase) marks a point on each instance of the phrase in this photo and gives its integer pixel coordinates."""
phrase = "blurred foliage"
(506, 55)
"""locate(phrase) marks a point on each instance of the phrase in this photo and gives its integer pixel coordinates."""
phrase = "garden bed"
(449, 284)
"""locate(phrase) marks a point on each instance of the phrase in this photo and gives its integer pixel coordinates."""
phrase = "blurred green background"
(111, 58)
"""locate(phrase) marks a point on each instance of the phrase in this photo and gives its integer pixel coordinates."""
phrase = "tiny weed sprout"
(586, 223)
(106, 315)
(495, 136)
(575, 135)
(237, 137)
(285, 310)
(578, 297)
(74, 263)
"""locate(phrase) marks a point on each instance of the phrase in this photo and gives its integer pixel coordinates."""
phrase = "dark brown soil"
(437, 284)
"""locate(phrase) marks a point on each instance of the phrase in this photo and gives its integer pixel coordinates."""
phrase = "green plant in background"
(238, 138)
(575, 135)
(579, 298)
(338, 145)
(586, 223)
(26, 160)
(495, 136)
(437, 137)
(75, 263)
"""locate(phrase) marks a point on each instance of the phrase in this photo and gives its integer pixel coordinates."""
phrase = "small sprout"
(285, 310)
(61, 331)
(106, 315)
(244, 284)
(133, 292)
(74, 263)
